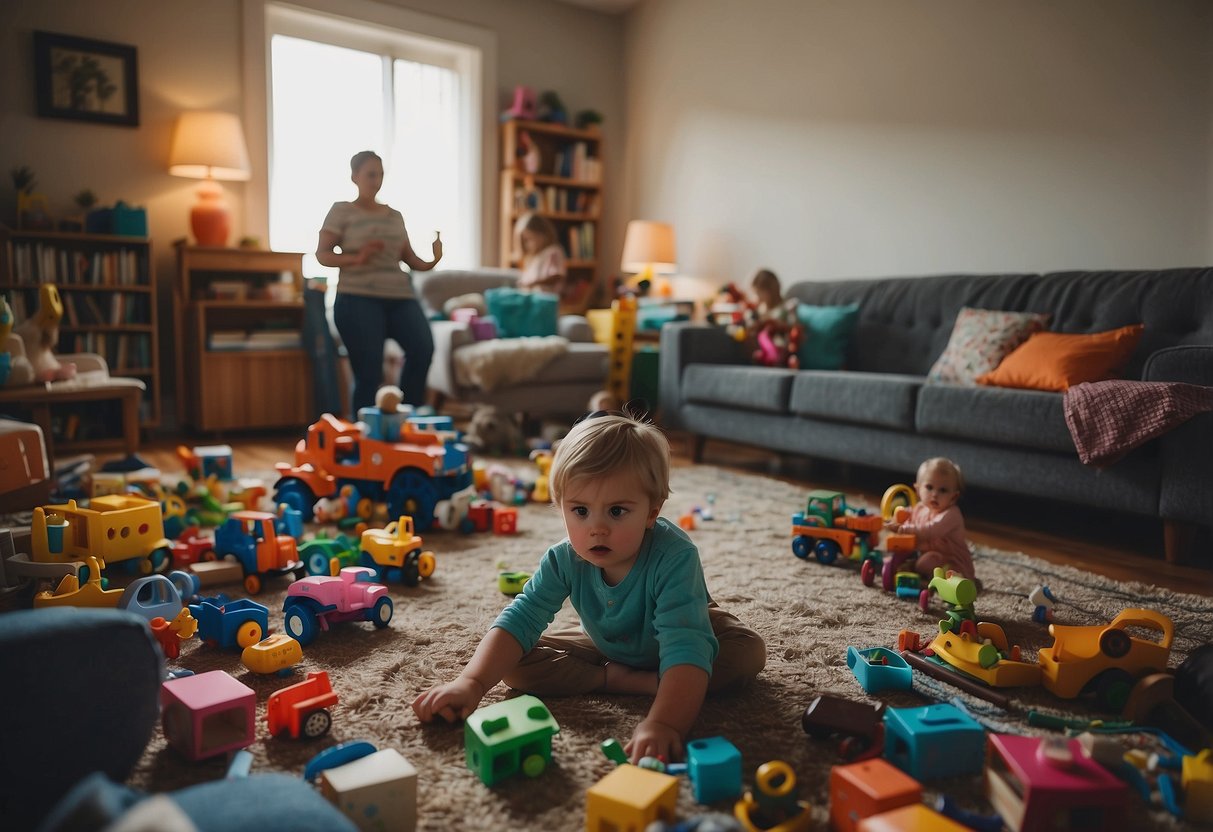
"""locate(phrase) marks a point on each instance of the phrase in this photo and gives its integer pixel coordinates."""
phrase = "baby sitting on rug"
(936, 520)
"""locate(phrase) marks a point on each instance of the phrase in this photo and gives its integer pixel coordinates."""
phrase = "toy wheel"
(316, 724)
(296, 494)
(1112, 689)
(209, 555)
(867, 573)
(382, 613)
(426, 564)
(366, 508)
(161, 560)
(300, 624)
(252, 584)
(248, 634)
(801, 546)
(534, 765)
(410, 575)
(318, 564)
(888, 575)
(413, 493)
(924, 600)
(1115, 643)
(827, 551)
(145, 566)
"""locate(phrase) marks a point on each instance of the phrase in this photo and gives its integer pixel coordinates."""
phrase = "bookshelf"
(567, 189)
(109, 299)
(240, 357)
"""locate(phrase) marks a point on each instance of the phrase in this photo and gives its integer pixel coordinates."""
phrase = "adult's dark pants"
(365, 324)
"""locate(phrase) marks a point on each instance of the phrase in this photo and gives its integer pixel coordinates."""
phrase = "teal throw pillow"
(520, 313)
(827, 332)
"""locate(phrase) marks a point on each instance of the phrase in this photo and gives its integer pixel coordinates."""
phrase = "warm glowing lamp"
(648, 249)
(209, 146)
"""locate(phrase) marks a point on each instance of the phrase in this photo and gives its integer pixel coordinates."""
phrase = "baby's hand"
(654, 739)
(452, 701)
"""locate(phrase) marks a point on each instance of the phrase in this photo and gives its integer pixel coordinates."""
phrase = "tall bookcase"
(567, 189)
(109, 299)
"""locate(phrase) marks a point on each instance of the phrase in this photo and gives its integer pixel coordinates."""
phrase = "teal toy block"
(714, 766)
(511, 736)
(934, 741)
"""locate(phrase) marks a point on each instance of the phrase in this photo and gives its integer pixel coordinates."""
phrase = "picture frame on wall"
(86, 80)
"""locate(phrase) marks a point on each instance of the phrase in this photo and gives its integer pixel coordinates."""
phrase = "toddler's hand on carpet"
(654, 739)
(452, 701)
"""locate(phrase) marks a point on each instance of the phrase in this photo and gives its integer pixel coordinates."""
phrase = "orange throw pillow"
(1053, 361)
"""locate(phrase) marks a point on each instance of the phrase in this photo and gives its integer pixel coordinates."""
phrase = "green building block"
(511, 736)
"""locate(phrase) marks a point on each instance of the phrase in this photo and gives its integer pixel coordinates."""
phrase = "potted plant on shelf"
(85, 200)
(32, 211)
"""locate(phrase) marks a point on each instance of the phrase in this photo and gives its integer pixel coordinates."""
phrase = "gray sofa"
(880, 411)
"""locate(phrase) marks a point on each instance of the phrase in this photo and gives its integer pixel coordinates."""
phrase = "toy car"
(394, 552)
(319, 602)
(328, 555)
(302, 709)
(273, 654)
(827, 528)
(250, 538)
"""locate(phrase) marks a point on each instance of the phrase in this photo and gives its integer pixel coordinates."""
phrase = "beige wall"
(827, 139)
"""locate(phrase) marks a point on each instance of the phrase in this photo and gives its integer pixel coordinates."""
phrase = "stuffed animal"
(491, 431)
(40, 333)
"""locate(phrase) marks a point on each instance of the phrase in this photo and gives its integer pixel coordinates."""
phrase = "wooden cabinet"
(240, 358)
(566, 188)
(109, 306)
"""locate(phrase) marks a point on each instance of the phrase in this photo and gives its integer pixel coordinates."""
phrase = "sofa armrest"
(1191, 364)
(575, 328)
(1186, 453)
(448, 337)
(684, 343)
(86, 362)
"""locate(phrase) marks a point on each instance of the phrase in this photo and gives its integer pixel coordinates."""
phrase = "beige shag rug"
(808, 614)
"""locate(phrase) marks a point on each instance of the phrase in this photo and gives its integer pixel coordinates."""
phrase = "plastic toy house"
(629, 799)
(508, 737)
(861, 790)
(714, 766)
(376, 792)
(934, 741)
(214, 460)
(208, 714)
(913, 818)
(1050, 784)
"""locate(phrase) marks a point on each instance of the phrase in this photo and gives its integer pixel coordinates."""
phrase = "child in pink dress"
(543, 261)
(936, 520)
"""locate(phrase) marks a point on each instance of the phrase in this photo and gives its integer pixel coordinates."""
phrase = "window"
(339, 86)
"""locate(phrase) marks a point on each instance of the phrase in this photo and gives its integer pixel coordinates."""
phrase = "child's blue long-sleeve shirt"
(655, 618)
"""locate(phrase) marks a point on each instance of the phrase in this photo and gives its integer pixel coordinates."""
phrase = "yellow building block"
(629, 799)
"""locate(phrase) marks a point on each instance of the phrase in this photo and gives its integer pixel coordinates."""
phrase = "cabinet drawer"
(251, 389)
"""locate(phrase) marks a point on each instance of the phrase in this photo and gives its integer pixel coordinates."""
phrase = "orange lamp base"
(210, 219)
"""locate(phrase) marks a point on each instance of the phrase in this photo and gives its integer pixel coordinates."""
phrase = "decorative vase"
(209, 218)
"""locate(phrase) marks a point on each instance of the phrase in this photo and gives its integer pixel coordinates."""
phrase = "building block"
(505, 520)
(913, 818)
(217, 572)
(714, 766)
(933, 741)
(208, 714)
(511, 736)
(870, 787)
(629, 799)
(215, 460)
(377, 792)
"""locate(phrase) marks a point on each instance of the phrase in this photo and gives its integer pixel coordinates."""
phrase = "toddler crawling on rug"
(648, 624)
(936, 520)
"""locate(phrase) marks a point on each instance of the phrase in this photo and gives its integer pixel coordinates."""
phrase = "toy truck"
(115, 528)
(827, 528)
(320, 601)
(394, 552)
(249, 538)
(238, 623)
(302, 709)
(410, 475)
(328, 555)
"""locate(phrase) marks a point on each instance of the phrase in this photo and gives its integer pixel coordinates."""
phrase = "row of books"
(125, 354)
(556, 200)
(581, 241)
(238, 340)
(575, 162)
(35, 263)
(88, 309)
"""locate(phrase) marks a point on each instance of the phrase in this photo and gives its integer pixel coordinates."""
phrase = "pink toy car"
(320, 601)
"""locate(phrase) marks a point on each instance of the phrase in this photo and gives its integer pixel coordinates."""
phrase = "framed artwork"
(86, 80)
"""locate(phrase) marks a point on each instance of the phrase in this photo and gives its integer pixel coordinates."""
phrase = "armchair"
(561, 386)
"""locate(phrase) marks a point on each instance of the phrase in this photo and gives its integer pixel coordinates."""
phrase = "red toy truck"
(302, 708)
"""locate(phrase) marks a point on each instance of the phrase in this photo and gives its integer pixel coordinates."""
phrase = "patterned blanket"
(1107, 419)
(504, 361)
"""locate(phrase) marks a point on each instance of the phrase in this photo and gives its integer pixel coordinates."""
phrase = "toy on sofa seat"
(40, 334)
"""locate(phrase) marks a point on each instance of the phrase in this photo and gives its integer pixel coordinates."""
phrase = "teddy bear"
(39, 335)
(494, 432)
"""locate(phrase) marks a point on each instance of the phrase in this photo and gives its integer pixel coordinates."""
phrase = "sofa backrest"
(435, 288)
(905, 322)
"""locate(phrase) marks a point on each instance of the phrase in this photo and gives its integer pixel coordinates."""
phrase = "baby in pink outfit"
(936, 520)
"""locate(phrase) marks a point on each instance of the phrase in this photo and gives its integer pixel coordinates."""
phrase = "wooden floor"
(1121, 547)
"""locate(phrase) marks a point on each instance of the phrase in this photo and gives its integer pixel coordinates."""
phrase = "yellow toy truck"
(395, 553)
(115, 528)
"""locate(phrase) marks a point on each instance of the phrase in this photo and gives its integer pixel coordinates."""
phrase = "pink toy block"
(208, 714)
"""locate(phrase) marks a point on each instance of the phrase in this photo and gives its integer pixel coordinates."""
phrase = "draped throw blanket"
(505, 361)
(1107, 419)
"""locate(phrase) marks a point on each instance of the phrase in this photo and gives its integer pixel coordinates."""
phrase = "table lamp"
(648, 249)
(209, 145)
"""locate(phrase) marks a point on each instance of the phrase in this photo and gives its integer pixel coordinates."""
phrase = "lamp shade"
(209, 145)
(649, 245)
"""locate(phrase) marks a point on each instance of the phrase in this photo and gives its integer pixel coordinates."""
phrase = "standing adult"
(375, 297)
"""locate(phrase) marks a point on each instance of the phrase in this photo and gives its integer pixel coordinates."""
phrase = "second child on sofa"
(936, 520)
(648, 625)
(543, 263)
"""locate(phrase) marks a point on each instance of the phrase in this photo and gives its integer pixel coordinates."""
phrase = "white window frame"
(470, 49)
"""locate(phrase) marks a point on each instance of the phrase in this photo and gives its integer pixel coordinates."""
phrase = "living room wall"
(832, 139)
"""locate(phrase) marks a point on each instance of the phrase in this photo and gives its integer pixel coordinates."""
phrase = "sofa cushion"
(1024, 418)
(882, 399)
(980, 340)
(579, 362)
(1052, 361)
(827, 334)
(751, 388)
(520, 313)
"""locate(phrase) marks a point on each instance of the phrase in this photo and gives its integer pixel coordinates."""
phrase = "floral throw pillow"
(980, 340)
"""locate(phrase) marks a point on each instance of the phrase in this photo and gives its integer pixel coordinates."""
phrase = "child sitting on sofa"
(936, 520)
(774, 325)
(543, 261)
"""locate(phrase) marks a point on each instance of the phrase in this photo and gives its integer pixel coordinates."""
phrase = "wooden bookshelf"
(109, 299)
(567, 189)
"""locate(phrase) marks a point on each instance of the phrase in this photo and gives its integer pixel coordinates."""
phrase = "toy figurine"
(1043, 601)
(41, 332)
(387, 417)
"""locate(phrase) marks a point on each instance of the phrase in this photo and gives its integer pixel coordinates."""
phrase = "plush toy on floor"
(494, 432)
(41, 332)
(15, 369)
